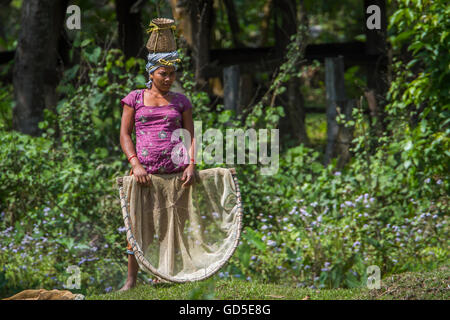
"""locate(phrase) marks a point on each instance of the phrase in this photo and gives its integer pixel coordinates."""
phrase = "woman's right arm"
(126, 129)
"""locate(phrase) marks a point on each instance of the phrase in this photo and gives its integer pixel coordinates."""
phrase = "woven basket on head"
(161, 36)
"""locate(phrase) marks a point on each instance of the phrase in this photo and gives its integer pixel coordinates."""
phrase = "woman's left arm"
(188, 124)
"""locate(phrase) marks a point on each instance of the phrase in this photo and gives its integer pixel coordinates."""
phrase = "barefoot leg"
(132, 273)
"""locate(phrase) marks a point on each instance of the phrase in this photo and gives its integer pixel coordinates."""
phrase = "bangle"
(131, 157)
(192, 160)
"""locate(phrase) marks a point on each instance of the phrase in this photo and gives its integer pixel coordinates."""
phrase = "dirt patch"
(433, 285)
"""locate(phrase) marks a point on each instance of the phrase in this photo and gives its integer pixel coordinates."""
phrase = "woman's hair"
(160, 59)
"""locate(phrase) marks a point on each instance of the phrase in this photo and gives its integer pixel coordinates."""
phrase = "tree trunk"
(377, 72)
(335, 88)
(233, 22)
(265, 23)
(202, 18)
(286, 24)
(130, 32)
(35, 73)
(296, 111)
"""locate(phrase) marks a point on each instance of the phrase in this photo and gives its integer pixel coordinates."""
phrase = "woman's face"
(163, 77)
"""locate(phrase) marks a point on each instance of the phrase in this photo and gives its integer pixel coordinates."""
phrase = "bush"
(323, 228)
(388, 207)
(59, 200)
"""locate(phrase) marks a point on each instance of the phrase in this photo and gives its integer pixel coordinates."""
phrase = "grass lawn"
(410, 285)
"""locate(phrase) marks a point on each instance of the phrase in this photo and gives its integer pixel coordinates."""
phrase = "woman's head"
(161, 68)
(163, 77)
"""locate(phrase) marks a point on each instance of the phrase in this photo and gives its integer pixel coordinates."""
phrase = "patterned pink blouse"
(154, 126)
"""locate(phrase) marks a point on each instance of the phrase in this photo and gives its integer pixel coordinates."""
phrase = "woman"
(156, 112)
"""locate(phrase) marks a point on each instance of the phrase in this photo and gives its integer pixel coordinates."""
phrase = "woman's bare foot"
(131, 283)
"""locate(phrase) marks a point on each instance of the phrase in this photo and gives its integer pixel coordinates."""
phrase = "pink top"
(154, 126)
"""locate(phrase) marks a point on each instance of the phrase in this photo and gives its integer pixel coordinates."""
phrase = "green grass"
(433, 285)
(410, 285)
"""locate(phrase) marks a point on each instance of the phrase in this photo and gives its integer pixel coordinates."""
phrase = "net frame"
(148, 267)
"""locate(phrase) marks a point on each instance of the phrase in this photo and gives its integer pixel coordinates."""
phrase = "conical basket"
(162, 38)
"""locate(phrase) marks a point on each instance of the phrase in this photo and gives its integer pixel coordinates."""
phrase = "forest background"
(363, 176)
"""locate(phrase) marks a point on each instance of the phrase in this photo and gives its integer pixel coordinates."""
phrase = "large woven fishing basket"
(182, 234)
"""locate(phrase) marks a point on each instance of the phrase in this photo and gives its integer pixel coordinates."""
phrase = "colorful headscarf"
(161, 59)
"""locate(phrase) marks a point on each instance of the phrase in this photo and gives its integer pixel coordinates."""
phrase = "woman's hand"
(141, 174)
(188, 175)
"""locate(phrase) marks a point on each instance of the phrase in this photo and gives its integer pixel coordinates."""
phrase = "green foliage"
(388, 207)
(335, 21)
(307, 225)
(420, 106)
(323, 227)
(6, 106)
(58, 191)
(56, 211)
(92, 107)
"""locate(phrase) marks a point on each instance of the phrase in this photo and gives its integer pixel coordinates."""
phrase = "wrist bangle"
(131, 157)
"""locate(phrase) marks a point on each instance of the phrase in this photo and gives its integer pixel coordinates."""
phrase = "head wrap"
(161, 59)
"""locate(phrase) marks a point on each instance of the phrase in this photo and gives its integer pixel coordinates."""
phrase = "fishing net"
(182, 234)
